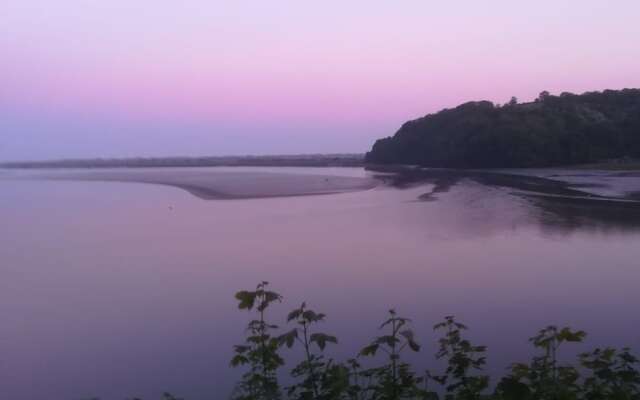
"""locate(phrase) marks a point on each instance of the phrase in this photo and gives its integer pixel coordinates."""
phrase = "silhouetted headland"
(569, 129)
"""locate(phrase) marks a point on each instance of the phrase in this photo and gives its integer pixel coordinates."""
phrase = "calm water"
(123, 289)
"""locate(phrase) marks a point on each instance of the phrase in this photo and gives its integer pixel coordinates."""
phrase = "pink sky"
(127, 78)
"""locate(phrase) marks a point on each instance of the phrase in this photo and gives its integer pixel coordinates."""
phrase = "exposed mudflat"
(604, 183)
(218, 183)
(600, 186)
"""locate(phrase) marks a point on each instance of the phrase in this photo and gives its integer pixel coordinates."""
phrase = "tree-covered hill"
(551, 131)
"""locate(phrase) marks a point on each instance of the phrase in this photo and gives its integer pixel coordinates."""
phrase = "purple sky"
(91, 78)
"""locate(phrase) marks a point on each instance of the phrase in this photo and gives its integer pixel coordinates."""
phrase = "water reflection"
(557, 206)
(560, 215)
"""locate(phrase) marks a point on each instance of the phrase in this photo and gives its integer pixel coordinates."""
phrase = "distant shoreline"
(301, 160)
(311, 160)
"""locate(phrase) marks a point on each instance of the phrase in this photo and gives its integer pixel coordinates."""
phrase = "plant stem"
(312, 375)
(393, 358)
(263, 344)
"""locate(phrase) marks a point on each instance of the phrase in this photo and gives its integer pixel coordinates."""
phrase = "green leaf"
(288, 338)
(389, 340)
(321, 339)
(239, 360)
(247, 299)
(369, 350)
(407, 334)
(567, 335)
(294, 315)
(271, 296)
(241, 349)
(309, 315)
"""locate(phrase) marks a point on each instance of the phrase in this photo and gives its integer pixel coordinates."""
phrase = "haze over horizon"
(83, 79)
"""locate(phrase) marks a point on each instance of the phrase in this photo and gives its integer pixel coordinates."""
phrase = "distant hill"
(551, 131)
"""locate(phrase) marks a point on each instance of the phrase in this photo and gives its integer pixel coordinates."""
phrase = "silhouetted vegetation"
(553, 130)
(604, 373)
(600, 374)
(260, 350)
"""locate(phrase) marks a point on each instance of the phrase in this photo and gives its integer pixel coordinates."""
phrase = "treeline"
(604, 373)
(551, 131)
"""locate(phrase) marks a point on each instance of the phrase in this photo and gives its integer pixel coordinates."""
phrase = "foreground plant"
(393, 380)
(462, 357)
(614, 375)
(544, 378)
(601, 374)
(321, 379)
(260, 350)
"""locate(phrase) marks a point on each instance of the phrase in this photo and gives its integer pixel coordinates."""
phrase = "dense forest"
(551, 131)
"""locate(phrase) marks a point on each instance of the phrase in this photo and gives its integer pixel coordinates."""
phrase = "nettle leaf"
(388, 340)
(407, 334)
(239, 360)
(271, 296)
(246, 299)
(288, 338)
(255, 339)
(567, 335)
(294, 314)
(309, 315)
(241, 349)
(414, 346)
(460, 326)
(312, 316)
(370, 350)
(450, 322)
(321, 339)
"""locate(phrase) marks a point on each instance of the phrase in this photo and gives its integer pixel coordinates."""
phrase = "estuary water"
(112, 288)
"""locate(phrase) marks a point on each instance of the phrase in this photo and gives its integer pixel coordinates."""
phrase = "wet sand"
(213, 183)
(262, 182)
(602, 183)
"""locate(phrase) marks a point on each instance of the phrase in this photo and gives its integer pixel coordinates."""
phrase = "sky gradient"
(123, 78)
